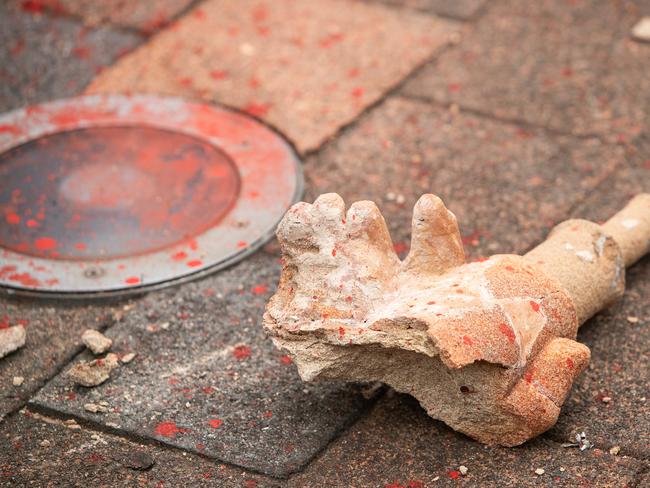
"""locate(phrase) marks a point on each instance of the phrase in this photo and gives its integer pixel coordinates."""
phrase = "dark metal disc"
(107, 194)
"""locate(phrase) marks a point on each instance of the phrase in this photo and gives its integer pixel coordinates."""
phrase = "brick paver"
(306, 67)
(43, 57)
(506, 184)
(207, 379)
(43, 451)
(400, 446)
(570, 66)
(144, 15)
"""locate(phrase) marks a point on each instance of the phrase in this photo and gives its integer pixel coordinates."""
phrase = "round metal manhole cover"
(113, 194)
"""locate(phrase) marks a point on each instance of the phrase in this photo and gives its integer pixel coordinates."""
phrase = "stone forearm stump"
(488, 347)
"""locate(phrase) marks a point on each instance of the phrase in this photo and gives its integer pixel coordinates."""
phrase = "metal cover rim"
(269, 169)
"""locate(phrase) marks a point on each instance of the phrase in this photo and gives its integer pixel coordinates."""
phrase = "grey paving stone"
(506, 184)
(399, 446)
(42, 451)
(44, 57)
(570, 66)
(456, 9)
(54, 331)
(207, 379)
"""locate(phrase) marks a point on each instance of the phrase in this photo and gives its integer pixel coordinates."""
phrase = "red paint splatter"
(250, 484)
(415, 484)
(400, 247)
(194, 263)
(357, 92)
(341, 332)
(31, 223)
(24, 279)
(354, 72)
(394, 485)
(567, 72)
(454, 87)
(285, 359)
(215, 423)
(507, 331)
(241, 352)
(199, 13)
(45, 243)
(432, 302)
(81, 52)
(12, 218)
(333, 252)
(534, 305)
(11, 129)
(331, 39)
(257, 109)
(207, 390)
(179, 256)
(200, 446)
(569, 363)
(454, 474)
(528, 377)
(33, 6)
(267, 415)
(468, 340)
(241, 244)
(260, 289)
(168, 429)
(80, 245)
(133, 280)
(218, 75)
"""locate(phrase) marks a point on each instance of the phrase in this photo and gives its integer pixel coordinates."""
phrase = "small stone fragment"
(137, 460)
(18, 380)
(633, 320)
(463, 470)
(97, 342)
(95, 372)
(606, 399)
(94, 408)
(539, 471)
(127, 358)
(641, 30)
(615, 450)
(44, 443)
(11, 339)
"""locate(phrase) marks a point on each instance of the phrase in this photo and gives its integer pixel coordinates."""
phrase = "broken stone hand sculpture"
(488, 347)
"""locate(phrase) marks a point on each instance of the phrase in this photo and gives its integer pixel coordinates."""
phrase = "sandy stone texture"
(307, 77)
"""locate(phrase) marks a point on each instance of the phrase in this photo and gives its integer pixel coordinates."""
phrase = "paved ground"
(518, 115)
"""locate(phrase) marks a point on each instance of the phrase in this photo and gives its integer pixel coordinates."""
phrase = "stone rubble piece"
(641, 30)
(488, 347)
(94, 408)
(93, 373)
(127, 358)
(11, 339)
(18, 380)
(97, 342)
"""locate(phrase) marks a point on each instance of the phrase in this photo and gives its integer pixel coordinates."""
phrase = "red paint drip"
(260, 289)
(133, 280)
(194, 263)
(507, 331)
(285, 359)
(216, 423)
(179, 256)
(534, 305)
(241, 352)
(167, 429)
(45, 243)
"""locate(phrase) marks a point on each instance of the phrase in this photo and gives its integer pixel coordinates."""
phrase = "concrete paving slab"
(456, 9)
(144, 15)
(568, 66)
(507, 184)
(53, 330)
(43, 451)
(306, 67)
(44, 57)
(208, 380)
(398, 445)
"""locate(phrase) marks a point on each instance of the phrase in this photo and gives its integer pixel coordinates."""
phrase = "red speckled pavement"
(518, 115)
